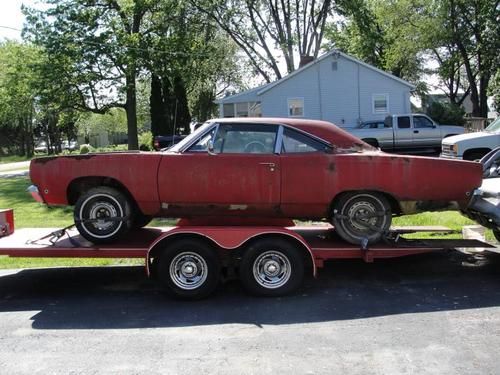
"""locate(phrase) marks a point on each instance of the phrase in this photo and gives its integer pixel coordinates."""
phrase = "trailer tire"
(100, 203)
(189, 269)
(271, 267)
(348, 212)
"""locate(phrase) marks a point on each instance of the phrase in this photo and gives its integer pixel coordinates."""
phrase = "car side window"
(245, 139)
(296, 142)
(422, 122)
(202, 144)
(403, 122)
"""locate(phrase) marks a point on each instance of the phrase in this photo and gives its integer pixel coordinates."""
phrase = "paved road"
(435, 314)
(18, 169)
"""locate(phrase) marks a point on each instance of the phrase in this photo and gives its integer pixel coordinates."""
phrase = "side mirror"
(210, 147)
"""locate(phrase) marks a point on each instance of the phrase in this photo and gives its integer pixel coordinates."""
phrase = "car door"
(307, 173)
(240, 175)
(425, 132)
(403, 133)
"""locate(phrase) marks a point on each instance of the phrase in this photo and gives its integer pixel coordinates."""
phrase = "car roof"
(321, 129)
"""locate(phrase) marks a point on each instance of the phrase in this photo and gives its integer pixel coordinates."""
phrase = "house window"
(254, 109)
(244, 109)
(296, 107)
(380, 103)
(228, 110)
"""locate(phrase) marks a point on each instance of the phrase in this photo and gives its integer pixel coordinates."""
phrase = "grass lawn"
(29, 213)
(13, 159)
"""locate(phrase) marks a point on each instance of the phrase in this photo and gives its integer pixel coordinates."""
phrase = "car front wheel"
(361, 216)
(103, 214)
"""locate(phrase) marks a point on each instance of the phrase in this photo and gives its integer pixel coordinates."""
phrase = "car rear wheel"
(271, 267)
(103, 215)
(361, 216)
(189, 269)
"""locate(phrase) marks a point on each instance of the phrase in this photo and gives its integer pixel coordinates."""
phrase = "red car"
(253, 168)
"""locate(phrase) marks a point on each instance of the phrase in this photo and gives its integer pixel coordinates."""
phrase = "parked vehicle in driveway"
(472, 146)
(407, 132)
(165, 141)
(253, 168)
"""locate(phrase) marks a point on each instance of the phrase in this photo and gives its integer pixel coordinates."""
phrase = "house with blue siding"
(335, 87)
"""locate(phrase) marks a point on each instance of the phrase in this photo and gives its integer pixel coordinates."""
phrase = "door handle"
(415, 131)
(270, 165)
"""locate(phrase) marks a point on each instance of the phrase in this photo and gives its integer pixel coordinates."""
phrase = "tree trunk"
(156, 107)
(131, 110)
(182, 117)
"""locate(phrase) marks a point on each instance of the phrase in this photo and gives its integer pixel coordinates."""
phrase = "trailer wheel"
(361, 215)
(271, 267)
(189, 269)
(496, 233)
(102, 214)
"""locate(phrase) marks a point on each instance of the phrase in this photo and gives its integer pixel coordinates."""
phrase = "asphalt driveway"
(437, 314)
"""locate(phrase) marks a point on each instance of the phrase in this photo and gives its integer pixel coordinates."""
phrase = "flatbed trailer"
(188, 260)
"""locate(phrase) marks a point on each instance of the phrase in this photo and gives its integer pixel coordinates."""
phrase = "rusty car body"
(253, 168)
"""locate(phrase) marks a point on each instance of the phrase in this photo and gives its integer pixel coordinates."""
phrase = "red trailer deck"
(270, 259)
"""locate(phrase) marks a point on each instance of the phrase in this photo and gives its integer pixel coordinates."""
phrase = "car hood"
(468, 136)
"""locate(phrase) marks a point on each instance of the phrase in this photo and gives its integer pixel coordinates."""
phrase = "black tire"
(98, 204)
(360, 216)
(141, 220)
(496, 233)
(271, 267)
(189, 269)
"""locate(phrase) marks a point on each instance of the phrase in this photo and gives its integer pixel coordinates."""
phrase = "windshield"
(494, 126)
(179, 146)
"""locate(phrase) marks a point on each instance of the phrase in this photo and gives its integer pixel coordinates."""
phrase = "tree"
(473, 26)
(95, 46)
(260, 27)
(18, 109)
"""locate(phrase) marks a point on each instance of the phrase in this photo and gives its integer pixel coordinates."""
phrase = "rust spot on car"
(331, 167)
(44, 160)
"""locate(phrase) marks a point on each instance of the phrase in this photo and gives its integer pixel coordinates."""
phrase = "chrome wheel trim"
(354, 224)
(272, 269)
(94, 211)
(188, 270)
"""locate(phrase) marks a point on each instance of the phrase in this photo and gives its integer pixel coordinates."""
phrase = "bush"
(86, 148)
(146, 141)
(447, 113)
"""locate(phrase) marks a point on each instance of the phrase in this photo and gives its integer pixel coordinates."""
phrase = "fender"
(227, 238)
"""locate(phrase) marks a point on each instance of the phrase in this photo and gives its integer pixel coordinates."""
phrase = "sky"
(11, 16)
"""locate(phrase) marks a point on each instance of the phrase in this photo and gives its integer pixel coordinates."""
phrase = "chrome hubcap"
(188, 270)
(362, 215)
(272, 269)
(101, 211)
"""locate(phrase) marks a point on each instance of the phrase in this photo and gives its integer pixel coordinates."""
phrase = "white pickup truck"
(472, 146)
(406, 132)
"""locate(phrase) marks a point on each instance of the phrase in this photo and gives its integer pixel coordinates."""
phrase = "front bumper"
(484, 206)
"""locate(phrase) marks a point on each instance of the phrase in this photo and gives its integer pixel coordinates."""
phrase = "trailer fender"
(226, 238)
